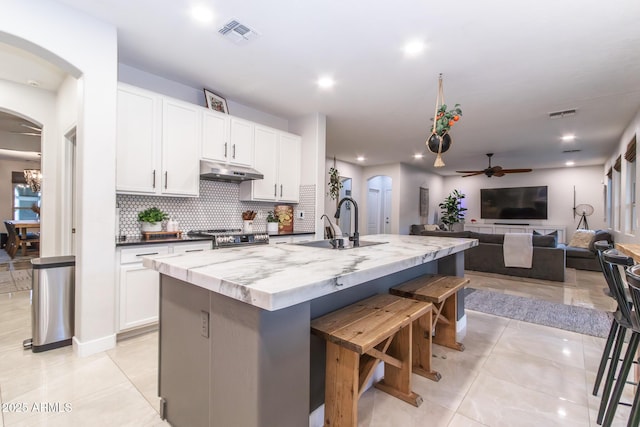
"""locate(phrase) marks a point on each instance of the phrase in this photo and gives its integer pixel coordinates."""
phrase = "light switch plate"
(300, 215)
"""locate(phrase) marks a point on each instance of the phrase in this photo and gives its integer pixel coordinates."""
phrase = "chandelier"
(33, 178)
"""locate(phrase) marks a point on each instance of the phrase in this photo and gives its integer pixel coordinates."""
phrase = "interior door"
(386, 214)
(373, 211)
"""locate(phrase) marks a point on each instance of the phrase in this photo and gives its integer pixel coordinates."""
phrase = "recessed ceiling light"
(414, 48)
(418, 156)
(201, 13)
(360, 158)
(33, 83)
(569, 137)
(326, 82)
(570, 163)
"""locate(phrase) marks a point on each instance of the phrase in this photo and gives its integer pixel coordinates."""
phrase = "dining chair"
(612, 261)
(13, 241)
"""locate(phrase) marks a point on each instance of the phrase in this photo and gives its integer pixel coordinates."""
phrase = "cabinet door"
(183, 248)
(215, 136)
(241, 142)
(139, 294)
(181, 139)
(266, 156)
(289, 168)
(137, 141)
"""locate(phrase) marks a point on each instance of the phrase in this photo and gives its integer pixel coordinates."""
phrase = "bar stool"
(633, 280)
(627, 321)
(358, 337)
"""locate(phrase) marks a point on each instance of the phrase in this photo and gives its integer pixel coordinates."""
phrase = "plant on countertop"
(452, 210)
(271, 217)
(152, 215)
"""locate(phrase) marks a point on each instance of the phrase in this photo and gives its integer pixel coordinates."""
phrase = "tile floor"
(511, 374)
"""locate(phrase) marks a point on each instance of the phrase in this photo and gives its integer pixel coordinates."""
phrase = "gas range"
(224, 238)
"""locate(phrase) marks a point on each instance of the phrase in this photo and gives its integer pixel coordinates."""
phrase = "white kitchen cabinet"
(139, 287)
(277, 157)
(158, 144)
(227, 139)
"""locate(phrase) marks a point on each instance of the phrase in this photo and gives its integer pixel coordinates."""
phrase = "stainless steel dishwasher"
(52, 304)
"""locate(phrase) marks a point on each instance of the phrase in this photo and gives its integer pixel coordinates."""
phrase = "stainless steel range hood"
(213, 171)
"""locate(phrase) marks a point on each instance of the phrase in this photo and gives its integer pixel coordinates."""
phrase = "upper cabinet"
(277, 157)
(158, 144)
(227, 139)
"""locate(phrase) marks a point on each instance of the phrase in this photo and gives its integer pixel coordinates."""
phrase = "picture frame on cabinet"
(216, 102)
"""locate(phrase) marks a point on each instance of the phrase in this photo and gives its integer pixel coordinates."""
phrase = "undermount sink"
(326, 244)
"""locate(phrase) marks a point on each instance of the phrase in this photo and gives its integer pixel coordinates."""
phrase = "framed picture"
(216, 102)
(424, 202)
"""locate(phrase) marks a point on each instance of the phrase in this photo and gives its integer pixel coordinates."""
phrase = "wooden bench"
(358, 337)
(442, 291)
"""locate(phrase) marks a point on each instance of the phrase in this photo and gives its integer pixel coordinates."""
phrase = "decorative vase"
(247, 226)
(272, 227)
(151, 226)
(434, 142)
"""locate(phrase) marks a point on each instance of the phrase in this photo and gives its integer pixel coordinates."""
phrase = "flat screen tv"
(514, 203)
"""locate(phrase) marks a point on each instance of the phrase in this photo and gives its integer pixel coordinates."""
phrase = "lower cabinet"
(138, 290)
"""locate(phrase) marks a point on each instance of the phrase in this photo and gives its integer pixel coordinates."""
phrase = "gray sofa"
(548, 259)
(585, 259)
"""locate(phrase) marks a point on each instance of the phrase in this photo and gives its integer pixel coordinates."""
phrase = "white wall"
(347, 170)
(623, 235)
(152, 82)
(6, 187)
(411, 179)
(87, 49)
(588, 182)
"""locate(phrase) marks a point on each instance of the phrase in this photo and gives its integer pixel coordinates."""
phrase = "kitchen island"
(235, 343)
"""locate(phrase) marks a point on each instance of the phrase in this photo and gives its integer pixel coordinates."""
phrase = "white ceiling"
(507, 66)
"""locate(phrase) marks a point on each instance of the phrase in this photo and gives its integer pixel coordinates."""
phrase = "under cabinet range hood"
(213, 171)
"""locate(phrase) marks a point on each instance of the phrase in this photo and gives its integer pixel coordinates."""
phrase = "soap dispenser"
(172, 225)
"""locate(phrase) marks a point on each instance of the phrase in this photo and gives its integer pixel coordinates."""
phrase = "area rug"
(15, 281)
(571, 318)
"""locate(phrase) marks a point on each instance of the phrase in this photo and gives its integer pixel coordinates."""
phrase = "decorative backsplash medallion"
(217, 207)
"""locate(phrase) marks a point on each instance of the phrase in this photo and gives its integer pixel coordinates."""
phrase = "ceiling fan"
(493, 171)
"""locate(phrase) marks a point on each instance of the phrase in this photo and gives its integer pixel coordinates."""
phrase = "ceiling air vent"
(571, 151)
(561, 114)
(237, 32)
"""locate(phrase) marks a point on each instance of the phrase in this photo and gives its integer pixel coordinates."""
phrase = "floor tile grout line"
(130, 380)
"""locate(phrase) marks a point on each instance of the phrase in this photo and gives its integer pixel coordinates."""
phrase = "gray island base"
(235, 346)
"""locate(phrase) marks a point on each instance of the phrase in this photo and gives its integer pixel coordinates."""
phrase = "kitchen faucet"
(336, 240)
(356, 236)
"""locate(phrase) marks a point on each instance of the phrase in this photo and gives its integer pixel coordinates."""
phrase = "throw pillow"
(582, 238)
(553, 234)
(431, 227)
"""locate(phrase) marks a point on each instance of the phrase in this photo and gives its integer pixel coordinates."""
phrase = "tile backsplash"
(217, 207)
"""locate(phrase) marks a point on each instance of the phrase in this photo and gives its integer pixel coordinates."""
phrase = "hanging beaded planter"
(440, 141)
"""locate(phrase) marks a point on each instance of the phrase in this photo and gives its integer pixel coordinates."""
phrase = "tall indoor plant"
(452, 210)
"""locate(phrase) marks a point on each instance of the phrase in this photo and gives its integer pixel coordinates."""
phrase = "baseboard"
(87, 348)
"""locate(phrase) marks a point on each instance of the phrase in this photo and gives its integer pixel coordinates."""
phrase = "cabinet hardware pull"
(234, 151)
(280, 190)
(195, 250)
(275, 190)
(166, 179)
(225, 150)
(150, 253)
(154, 178)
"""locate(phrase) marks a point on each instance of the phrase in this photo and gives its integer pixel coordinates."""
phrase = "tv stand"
(497, 228)
(511, 223)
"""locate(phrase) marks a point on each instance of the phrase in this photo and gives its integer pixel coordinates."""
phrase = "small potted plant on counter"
(151, 219)
(272, 223)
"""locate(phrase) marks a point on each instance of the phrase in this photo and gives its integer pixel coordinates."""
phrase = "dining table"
(23, 227)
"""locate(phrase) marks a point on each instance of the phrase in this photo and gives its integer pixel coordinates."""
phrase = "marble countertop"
(273, 277)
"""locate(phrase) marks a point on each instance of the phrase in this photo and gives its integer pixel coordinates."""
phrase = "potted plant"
(272, 223)
(151, 219)
(452, 210)
(334, 183)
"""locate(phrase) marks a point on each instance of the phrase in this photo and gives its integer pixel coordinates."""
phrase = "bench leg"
(397, 381)
(446, 331)
(341, 387)
(421, 348)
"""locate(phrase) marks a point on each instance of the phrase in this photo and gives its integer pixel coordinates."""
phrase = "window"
(630, 196)
(608, 199)
(23, 198)
(617, 194)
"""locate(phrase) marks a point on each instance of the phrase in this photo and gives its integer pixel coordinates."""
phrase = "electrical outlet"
(204, 327)
(300, 214)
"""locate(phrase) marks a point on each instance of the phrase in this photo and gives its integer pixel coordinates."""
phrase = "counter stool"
(442, 291)
(358, 337)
